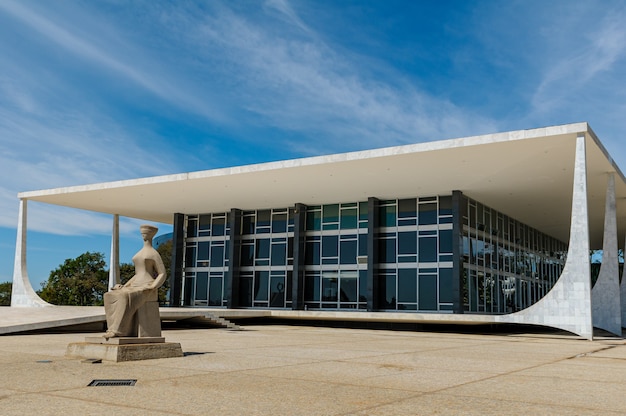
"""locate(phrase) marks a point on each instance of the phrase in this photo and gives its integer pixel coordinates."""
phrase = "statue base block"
(124, 349)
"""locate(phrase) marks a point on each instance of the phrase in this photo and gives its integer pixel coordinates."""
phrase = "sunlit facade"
(484, 229)
(444, 254)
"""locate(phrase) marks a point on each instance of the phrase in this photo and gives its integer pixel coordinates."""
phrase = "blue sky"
(108, 90)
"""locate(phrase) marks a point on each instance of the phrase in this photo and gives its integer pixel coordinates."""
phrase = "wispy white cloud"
(296, 82)
(115, 57)
(580, 63)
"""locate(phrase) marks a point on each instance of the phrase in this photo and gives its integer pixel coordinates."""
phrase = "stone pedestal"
(124, 348)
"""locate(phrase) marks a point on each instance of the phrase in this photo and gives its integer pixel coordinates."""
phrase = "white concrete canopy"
(525, 174)
(553, 179)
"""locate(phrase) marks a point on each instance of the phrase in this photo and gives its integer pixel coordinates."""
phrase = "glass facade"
(266, 259)
(415, 254)
(206, 260)
(335, 240)
(422, 254)
(507, 265)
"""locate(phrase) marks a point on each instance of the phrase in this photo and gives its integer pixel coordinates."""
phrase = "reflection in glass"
(261, 281)
(202, 285)
(407, 285)
(348, 282)
(215, 291)
(349, 219)
(428, 292)
(277, 291)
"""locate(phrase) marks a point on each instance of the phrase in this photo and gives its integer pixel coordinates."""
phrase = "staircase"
(218, 320)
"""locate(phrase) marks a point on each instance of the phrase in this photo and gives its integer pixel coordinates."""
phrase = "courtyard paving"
(304, 370)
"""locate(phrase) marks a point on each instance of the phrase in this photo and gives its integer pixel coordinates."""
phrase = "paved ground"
(296, 370)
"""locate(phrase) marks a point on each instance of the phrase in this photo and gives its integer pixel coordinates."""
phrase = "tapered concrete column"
(114, 264)
(623, 293)
(22, 293)
(568, 305)
(605, 295)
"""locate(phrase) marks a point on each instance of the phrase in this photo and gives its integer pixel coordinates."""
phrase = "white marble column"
(567, 305)
(605, 295)
(623, 292)
(22, 293)
(114, 263)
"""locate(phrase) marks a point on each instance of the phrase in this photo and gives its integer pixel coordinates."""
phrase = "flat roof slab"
(525, 174)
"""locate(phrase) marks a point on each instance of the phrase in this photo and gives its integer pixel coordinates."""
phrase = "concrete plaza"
(304, 370)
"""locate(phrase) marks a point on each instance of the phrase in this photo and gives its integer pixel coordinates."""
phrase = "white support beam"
(114, 263)
(568, 305)
(623, 293)
(22, 293)
(605, 295)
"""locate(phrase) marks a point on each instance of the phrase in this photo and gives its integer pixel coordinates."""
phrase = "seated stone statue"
(122, 301)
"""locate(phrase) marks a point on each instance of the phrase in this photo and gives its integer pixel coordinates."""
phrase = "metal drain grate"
(98, 383)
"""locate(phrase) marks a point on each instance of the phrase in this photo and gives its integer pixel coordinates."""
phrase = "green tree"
(5, 293)
(127, 270)
(81, 281)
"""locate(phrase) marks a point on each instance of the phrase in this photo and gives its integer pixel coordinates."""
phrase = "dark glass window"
(445, 205)
(247, 225)
(387, 250)
(188, 289)
(407, 285)
(428, 292)
(362, 244)
(329, 288)
(407, 208)
(428, 249)
(202, 285)
(203, 250)
(247, 254)
(277, 291)
(363, 211)
(192, 230)
(348, 291)
(388, 216)
(279, 254)
(388, 292)
(263, 248)
(312, 288)
(287, 286)
(190, 257)
(348, 252)
(331, 213)
(263, 218)
(349, 219)
(407, 242)
(330, 246)
(313, 220)
(217, 256)
(362, 285)
(245, 290)
(445, 285)
(312, 251)
(445, 241)
(219, 226)
(290, 247)
(215, 291)
(279, 223)
(205, 222)
(261, 282)
(428, 214)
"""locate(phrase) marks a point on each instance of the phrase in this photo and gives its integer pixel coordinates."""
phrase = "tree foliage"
(81, 281)
(5, 293)
(84, 280)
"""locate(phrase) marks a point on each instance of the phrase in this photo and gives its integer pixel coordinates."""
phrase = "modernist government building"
(486, 229)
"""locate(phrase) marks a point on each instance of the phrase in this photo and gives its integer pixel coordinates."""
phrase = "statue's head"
(148, 231)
